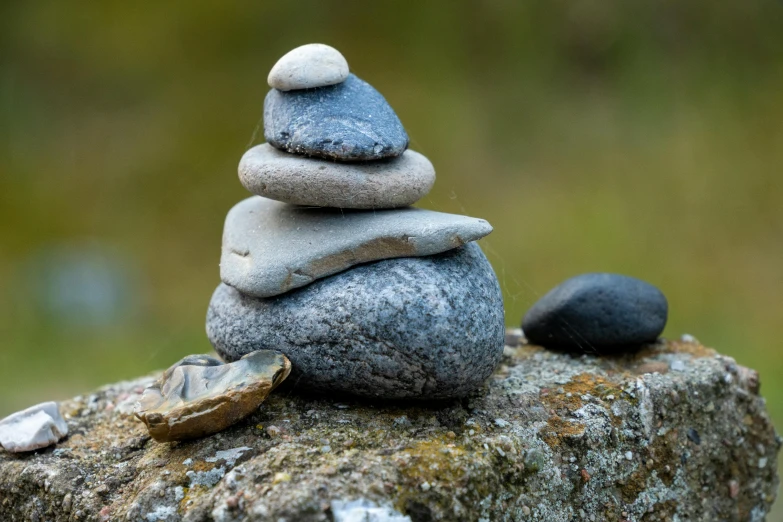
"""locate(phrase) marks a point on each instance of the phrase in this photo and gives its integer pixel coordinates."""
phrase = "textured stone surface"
(270, 247)
(33, 428)
(200, 395)
(429, 327)
(307, 67)
(550, 438)
(597, 312)
(397, 182)
(349, 121)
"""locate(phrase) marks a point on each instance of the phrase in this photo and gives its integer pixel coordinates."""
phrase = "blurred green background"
(610, 135)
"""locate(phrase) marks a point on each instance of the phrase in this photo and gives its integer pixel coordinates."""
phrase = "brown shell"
(200, 395)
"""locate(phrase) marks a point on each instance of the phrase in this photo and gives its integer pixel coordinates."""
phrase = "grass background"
(637, 137)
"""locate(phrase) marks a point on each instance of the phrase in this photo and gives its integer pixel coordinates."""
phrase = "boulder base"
(674, 432)
(427, 328)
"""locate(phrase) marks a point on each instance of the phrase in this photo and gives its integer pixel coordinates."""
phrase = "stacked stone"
(330, 265)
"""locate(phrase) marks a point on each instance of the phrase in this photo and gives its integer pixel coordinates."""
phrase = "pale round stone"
(308, 67)
(393, 183)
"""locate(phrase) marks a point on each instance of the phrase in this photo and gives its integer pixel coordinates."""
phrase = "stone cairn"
(329, 264)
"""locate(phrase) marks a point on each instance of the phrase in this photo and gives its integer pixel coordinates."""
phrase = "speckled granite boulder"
(349, 121)
(673, 432)
(597, 311)
(427, 328)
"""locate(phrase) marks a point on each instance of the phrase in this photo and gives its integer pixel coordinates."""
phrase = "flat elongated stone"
(425, 327)
(597, 312)
(349, 121)
(307, 67)
(392, 183)
(200, 395)
(34, 428)
(270, 247)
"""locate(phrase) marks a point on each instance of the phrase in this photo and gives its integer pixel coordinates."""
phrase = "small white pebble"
(628, 455)
(500, 452)
(688, 338)
(187, 462)
(610, 397)
(426, 486)
(501, 423)
(678, 365)
(763, 462)
(471, 432)
(326, 449)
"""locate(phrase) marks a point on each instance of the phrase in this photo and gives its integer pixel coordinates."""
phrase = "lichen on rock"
(673, 431)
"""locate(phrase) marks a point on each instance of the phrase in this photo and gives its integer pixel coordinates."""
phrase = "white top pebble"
(308, 67)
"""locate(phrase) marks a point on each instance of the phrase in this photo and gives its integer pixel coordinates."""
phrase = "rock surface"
(307, 67)
(200, 395)
(597, 312)
(428, 327)
(34, 428)
(393, 183)
(349, 121)
(551, 438)
(270, 247)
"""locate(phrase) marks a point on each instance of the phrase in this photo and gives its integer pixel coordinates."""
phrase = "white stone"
(34, 428)
(363, 510)
(392, 183)
(678, 365)
(308, 67)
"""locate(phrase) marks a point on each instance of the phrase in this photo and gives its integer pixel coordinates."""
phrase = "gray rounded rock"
(349, 121)
(597, 312)
(307, 67)
(393, 183)
(426, 328)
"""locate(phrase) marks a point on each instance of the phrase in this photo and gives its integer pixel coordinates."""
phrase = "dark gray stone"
(350, 121)
(428, 327)
(599, 312)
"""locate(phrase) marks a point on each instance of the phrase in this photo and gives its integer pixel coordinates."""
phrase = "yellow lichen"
(557, 429)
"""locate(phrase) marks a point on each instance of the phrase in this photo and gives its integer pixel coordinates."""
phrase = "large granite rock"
(270, 247)
(350, 121)
(674, 432)
(426, 327)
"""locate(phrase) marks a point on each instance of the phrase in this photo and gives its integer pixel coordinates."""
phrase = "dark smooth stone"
(597, 312)
(426, 327)
(350, 121)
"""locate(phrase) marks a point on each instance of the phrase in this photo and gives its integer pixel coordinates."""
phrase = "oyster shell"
(200, 395)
